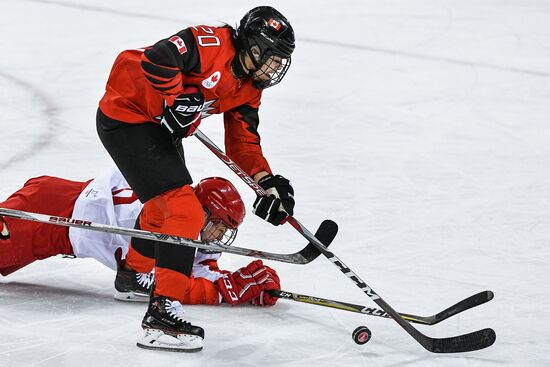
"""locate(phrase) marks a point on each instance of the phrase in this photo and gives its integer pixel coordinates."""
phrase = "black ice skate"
(165, 328)
(132, 286)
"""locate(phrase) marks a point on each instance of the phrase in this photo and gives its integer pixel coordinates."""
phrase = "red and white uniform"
(106, 199)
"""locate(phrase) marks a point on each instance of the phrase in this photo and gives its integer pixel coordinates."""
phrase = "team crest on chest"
(212, 80)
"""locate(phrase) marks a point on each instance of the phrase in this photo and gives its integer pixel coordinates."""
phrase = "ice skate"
(165, 328)
(131, 286)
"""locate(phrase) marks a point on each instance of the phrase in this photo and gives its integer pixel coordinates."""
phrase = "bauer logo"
(212, 80)
(70, 221)
(178, 42)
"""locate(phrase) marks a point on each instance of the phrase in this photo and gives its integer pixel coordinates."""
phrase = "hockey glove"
(245, 284)
(184, 116)
(265, 299)
(279, 201)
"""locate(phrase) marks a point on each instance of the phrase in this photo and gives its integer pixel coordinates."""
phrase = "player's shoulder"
(212, 35)
(214, 44)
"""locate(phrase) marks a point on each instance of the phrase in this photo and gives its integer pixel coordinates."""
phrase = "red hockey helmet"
(222, 200)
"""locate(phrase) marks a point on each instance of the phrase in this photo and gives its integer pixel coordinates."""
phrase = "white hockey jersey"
(108, 199)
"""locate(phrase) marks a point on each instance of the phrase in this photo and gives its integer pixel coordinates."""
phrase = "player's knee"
(152, 217)
(189, 211)
(182, 212)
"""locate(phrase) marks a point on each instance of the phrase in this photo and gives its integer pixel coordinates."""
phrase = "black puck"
(361, 335)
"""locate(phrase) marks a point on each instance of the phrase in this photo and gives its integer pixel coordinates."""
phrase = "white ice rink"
(421, 127)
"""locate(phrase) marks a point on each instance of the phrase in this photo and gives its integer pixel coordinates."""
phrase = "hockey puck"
(361, 335)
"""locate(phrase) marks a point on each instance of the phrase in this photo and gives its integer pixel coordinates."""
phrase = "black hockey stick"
(461, 343)
(326, 233)
(467, 303)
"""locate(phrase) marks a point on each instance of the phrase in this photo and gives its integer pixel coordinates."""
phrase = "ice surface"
(421, 127)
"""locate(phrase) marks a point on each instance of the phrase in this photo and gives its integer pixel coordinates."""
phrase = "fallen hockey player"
(108, 199)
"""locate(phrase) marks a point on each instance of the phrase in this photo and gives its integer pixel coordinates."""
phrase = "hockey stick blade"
(470, 302)
(327, 230)
(326, 233)
(462, 343)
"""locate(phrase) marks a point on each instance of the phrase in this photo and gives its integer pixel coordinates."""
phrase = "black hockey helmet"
(268, 38)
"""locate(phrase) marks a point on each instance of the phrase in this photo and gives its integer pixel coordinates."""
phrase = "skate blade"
(131, 296)
(156, 339)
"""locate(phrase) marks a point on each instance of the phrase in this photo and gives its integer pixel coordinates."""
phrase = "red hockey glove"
(245, 284)
(184, 116)
(273, 282)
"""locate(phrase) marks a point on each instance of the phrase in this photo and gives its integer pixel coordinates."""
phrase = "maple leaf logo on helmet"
(272, 22)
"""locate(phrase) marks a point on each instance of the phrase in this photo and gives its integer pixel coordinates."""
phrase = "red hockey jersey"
(203, 55)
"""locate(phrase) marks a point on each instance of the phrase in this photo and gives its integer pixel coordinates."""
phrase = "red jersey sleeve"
(242, 140)
(205, 273)
(165, 63)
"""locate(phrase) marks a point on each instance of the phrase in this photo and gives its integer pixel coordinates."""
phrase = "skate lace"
(175, 310)
(145, 279)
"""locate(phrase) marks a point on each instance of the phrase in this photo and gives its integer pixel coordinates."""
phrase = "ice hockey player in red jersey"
(108, 199)
(158, 95)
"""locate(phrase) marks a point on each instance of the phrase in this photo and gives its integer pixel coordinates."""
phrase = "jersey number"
(208, 41)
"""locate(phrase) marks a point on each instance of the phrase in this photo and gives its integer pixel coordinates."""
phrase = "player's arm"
(242, 140)
(242, 144)
(165, 63)
(249, 284)
(164, 66)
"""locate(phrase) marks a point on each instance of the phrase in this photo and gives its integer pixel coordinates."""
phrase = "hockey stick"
(467, 303)
(326, 233)
(461, 343)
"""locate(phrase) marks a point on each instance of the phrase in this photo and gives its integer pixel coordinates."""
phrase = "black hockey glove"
(279, 201)
(184, 116)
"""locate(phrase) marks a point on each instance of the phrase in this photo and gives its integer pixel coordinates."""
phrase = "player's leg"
(173, 278)
(136, 274)
(175, 212)
(147, 157)
(31, 241)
